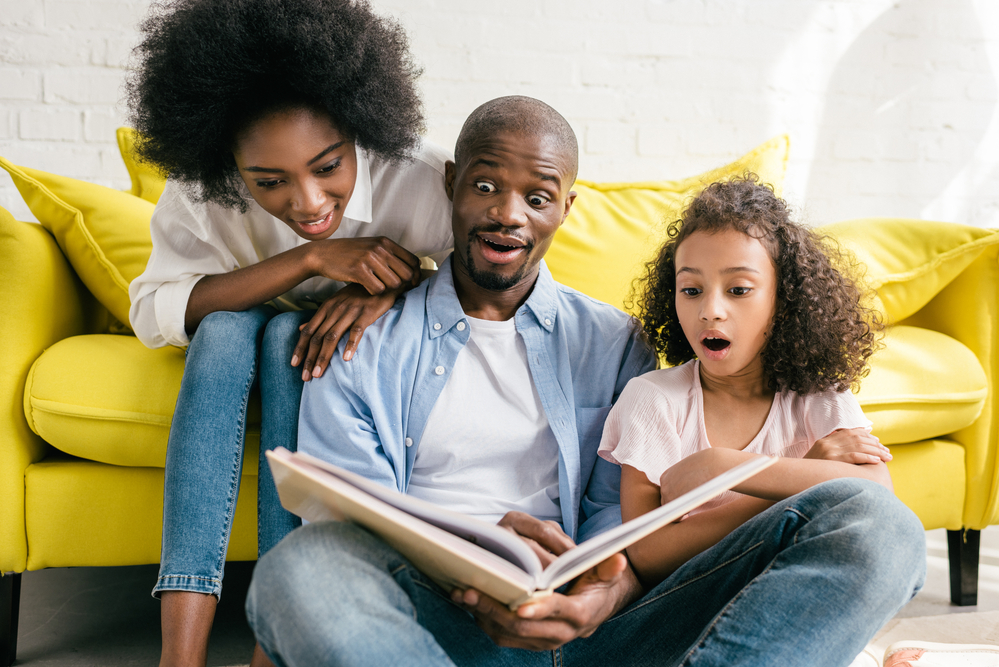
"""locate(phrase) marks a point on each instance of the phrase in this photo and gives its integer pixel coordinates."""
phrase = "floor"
(105, 616)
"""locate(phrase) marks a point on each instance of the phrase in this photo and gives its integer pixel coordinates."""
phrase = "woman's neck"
(748, 384)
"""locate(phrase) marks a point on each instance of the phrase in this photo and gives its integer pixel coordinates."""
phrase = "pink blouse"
(659, 420)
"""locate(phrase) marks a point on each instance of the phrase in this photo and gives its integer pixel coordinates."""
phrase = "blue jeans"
(205, 451)
(807, 582)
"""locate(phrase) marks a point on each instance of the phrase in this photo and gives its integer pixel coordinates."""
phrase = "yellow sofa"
(86, 408)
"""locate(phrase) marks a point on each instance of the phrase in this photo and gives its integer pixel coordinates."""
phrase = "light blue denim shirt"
(368, 414)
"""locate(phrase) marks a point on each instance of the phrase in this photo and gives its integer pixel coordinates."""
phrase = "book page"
(489, 536)
(449, 560)
(595, 550)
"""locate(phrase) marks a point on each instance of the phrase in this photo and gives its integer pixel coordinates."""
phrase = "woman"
(290, 133)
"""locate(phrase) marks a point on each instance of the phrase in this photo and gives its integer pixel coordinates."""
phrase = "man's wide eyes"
(483, 186)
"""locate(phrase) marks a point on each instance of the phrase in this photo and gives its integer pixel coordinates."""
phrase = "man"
(485, 390)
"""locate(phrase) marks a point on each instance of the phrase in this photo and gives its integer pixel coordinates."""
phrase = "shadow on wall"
(909, 104)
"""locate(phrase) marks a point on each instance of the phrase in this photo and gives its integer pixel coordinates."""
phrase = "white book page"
(487, 535)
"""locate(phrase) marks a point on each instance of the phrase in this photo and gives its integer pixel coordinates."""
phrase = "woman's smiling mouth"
(314, 227)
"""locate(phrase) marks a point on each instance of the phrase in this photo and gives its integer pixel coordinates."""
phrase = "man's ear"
(571, 197)
(449, 173)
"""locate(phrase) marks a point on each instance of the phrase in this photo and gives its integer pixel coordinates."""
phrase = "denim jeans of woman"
(230, 353)
(807, 582)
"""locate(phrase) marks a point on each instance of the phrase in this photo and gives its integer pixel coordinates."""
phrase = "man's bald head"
(524, 115)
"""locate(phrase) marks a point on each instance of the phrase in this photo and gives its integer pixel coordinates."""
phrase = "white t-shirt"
(487, 448)
(403, 201)
(659, 420)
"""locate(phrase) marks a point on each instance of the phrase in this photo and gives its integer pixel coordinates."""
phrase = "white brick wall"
(892, 105)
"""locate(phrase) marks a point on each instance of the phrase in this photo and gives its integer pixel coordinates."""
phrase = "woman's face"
(299, 168)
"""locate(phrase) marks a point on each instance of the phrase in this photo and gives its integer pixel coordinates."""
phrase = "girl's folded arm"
(658, 555)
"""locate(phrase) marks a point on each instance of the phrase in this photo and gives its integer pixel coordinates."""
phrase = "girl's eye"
(267, 184)
(537, 200)
(484, 186)
(690, 291)
(740, 291)
(329, 168)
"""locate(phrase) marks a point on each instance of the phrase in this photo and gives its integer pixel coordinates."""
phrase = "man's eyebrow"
(325, 151)
(548, 177)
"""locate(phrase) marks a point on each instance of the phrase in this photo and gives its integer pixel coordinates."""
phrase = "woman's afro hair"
(206, 69)
(822, 334)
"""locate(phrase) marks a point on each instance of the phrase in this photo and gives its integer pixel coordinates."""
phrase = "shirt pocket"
(590, 428)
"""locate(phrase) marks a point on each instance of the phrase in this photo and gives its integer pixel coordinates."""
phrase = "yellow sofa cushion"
(908, 262)
(147, 181)
(103, 232)
(614, 228)
(923, 384)
(115, 403)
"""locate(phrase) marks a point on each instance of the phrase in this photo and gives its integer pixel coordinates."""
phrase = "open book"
(459, 551)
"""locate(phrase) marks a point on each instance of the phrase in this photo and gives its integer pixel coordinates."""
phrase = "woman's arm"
(377, 264)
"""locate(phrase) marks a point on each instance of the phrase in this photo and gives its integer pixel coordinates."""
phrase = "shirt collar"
(443, 307)
(359, 206)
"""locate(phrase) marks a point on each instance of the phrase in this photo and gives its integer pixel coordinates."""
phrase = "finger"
(393, 272)
(546, 533)
(318, 339)
(409, 258)
(331, 338)
(356, 332)
(370, 281)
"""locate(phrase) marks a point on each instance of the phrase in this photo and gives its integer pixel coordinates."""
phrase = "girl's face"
(299, 168)
(726, 287)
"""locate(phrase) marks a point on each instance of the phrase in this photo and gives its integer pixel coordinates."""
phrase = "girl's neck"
(748, 384)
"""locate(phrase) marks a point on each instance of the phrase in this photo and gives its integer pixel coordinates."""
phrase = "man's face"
(510, 197)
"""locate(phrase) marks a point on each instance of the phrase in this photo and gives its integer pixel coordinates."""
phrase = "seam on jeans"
(687, 582)
(741, 593)
(711, 626)
(237, 470)
(557, 658)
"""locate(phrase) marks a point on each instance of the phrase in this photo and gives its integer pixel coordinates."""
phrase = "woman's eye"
(740, 291)
(690, 291)
(330, 167)
(483, 186)
(267, 184)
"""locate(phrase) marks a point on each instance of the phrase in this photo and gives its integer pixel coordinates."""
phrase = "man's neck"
(487, 304)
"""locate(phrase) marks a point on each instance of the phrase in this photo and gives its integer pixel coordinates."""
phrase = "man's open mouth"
(502, 245)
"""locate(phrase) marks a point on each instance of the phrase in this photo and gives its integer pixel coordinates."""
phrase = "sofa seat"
(929, 478)
(117, 405)
(83, 513)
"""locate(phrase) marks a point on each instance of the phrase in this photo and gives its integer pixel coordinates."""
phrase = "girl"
(765, 338)
(290, 133)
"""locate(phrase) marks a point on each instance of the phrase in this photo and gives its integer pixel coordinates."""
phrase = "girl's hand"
(376, 263)
(352, 308)
(849, 445)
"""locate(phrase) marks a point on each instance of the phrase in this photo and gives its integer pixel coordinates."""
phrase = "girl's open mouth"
(715, 344)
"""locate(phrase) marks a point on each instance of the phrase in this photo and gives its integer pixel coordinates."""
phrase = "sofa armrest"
(42, 302)
(967, 309)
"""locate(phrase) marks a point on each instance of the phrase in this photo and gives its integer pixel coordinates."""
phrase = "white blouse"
(404, 201)
(659, 420)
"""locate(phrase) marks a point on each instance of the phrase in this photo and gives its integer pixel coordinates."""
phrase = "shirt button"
(409, 442)
(437, 327)
(461, 326)
(439, 370)
(548, 322)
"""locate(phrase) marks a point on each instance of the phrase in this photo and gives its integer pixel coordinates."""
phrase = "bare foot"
(186, 622)
(260, 658)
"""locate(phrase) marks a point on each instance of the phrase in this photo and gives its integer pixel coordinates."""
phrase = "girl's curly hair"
(822, 335)
(206, 69)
